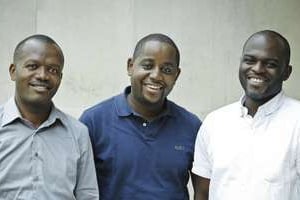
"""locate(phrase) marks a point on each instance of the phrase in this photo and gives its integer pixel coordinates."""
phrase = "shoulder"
(224, 116)
(72, 124)
(100, 110)
(292, 103)
(100, 107)
(183, 115)
(100, 115)
(233, 109)
(76, 129)
(290, 110)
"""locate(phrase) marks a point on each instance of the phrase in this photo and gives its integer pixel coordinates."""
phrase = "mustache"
(40, 83)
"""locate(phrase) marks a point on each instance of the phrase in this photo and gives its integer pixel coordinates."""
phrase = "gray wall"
(97, 37)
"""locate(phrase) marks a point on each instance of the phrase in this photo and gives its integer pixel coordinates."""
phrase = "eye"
(249, 61)
(53, 70)
(147, 66)
(271, 65)
(168, 69)
(31, 66)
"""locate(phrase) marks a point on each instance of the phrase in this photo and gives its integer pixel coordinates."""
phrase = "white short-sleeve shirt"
(249, 158)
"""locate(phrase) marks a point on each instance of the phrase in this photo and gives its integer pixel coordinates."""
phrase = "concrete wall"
(97, 37)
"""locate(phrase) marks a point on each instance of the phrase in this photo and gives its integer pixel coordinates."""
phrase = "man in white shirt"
(250, 150)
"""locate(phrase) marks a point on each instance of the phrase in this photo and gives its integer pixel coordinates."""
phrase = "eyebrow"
(31, 61)
(268, 59)
(147, 60)
(170, 64)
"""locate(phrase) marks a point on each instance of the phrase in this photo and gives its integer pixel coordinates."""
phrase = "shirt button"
(36, 154)
(144, 124)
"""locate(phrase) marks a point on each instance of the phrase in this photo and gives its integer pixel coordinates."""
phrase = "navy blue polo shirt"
(136, 159)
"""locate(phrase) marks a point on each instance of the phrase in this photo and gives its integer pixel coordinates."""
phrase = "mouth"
(153, 86)
(40, 87)
(256, 80)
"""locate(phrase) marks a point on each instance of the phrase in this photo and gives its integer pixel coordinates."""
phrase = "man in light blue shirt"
(44, 153)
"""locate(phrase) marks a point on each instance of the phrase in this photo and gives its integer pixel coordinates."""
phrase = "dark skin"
(37, 72)
(153, 74)
(263, 68)
(201, 187)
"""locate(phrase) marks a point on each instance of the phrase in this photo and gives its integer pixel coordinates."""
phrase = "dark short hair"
(43, 38)
(156, 37)
(274, 34)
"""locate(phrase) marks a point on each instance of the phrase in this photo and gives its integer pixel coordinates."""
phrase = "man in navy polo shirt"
(143, 143)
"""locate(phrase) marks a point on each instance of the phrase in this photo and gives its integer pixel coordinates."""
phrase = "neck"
(253, 104)
(252, 107)
(36, 114)
(148, 112)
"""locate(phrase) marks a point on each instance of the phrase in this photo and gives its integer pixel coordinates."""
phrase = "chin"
(152, 101)
(40, 101)
(259, 97)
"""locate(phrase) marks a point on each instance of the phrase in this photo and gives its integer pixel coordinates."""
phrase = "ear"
(12, 72)
(287, 72)
(129, 66)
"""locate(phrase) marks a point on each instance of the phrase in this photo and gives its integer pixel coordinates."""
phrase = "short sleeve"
(202, 163)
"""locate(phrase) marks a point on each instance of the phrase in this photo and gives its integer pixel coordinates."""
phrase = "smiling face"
(153, 73)
(263, 68)
(37, 72)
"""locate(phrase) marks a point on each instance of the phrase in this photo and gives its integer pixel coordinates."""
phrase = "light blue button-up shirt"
(51, 162)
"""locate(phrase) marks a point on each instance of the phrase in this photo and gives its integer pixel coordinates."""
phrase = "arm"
(86, 186)
(201, 187)
(202, 166)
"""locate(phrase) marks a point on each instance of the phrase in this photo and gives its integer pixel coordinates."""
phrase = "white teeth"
(257, 80)
(154, 87)
(40, 87)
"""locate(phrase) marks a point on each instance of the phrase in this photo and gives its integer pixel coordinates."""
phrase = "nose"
(258, 67)
(156, 73)
(42, 73)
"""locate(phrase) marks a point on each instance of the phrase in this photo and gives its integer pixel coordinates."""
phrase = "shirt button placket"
(35, 165)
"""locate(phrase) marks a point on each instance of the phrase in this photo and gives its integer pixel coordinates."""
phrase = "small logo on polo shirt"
(179, 147)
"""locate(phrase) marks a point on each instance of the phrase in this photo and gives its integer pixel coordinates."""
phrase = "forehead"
(264, 46)
(36, 49)
(158, 49)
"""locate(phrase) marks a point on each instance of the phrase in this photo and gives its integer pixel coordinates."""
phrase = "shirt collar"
(267, 108)
(123, 108)
(11, 113)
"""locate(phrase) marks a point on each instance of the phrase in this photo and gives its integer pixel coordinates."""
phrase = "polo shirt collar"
(11, 113)
(267, 108)
(124, 110)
